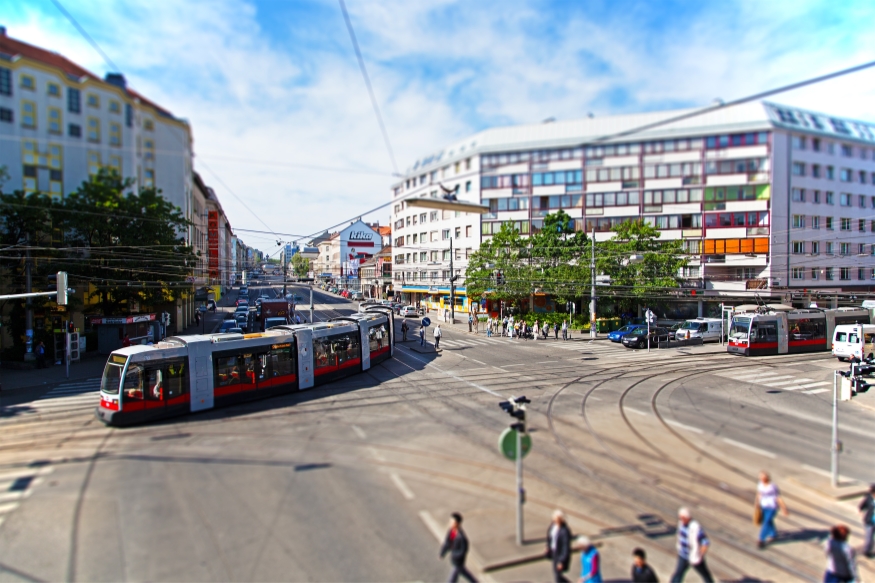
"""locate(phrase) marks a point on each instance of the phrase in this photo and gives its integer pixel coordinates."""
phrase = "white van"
(853, 340)
(705, 328)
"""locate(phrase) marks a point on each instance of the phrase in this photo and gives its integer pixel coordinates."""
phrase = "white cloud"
(441, 69)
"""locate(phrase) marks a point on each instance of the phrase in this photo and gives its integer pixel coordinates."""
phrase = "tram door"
(201, 369)
(365, 344)
(304, 342)
(783, 334)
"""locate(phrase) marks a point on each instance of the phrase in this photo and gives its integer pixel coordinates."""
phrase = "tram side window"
(133, 387)
(175, 380)
(282, 361)
(248, 376)
(154, 385)
(321, 353)
(227, 370)
(377, 337)
(767, 333)
(808, 330)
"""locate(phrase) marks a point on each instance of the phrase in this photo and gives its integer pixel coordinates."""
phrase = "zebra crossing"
(779, 380)
(469, 342)
(67, 397)
(615, 352)
(18, 484)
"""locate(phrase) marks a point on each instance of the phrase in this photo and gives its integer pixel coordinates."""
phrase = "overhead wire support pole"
(592, 299)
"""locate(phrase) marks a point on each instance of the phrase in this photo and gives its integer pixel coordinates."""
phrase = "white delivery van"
(853, 340)
(705, 328)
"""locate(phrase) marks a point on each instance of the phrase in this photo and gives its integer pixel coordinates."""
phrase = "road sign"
(426, 322)
(507, 443)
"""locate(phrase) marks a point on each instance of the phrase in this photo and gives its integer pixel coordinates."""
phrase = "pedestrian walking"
(641, 571)
(470, 321)
(422, 335)
(404, 329)
(867, 509)
(841, 565)
(537, 328)
(590, 562)
(556, 330)
(559, 546)
(437, 337)
(126, 341)
(767, 502)
(546, 330)
(489, 325)
(504, 326)
(197, 317)
(456, 543)
(564, 329)
(476, 324)
(41, 355)
(692, 545)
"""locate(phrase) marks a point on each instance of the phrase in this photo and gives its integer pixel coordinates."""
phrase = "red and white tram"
(776, 329)
(183, 374)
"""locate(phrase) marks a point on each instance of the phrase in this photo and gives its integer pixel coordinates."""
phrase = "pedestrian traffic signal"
(499, 278)
(70, 327)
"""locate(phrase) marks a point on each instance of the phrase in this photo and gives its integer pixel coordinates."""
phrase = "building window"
(862, 175)
(861, 273)
(149, 126)
(829, 225)
(5, 81)
(846, 175)
(458, 233)
(129, 117)
(798, 142)
(6, 114)
(445, 234)
(74, 100)
(798, 273)
(115, 162)
(815, 144)
(798, 169)
(446, 255)
(798, 247)
(845, 224)
(53, 89)
(115, 134)
(830, 173)
(798, 221)
(845, 273)
(829, 250)
(815, 248)
(28, 114)
(861, 249)
(27, 82)
(861, 201)
(847, 151)
(815, 273)
(798, 194)
(149, 177)
(93, 130)
(815, 222)
(74, 130)
(55, 122)
(830, 198)
(844, 199)
(815, 170)
(829, 273)
(93, 163)
(468, 186)
(845, 249)
(29, 179)
(816, 197)
(433, 216)
(468, 231)
(115, 106)
(150, 155)
(93, 100)
(861, 225)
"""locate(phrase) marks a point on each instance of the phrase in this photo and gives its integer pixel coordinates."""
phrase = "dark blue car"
(617, 335)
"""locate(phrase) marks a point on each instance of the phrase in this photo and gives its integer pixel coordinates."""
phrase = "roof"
(387, 230)
(745, 117)
(14, 48)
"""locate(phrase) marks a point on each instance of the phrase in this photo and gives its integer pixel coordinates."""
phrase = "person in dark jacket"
(456, 544)
(867, 510)
(641, 571)
(559, 546)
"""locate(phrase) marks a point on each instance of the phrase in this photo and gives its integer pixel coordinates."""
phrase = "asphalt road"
(354, 480)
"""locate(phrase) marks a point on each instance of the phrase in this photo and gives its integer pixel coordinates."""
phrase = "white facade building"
(769, 200)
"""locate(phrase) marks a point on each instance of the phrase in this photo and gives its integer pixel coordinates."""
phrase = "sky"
(283, 126)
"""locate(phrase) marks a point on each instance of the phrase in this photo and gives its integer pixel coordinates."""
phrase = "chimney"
(2, 31)
(116, 79)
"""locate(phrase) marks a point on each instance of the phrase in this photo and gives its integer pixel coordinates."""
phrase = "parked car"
(672, 330)
(408, 311)
(617, 335)
(638, 338)
(243, 321)
(704, 328)
(356, 296)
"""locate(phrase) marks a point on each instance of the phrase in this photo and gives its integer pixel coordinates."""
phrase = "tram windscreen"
(112, 376)
(740, 328)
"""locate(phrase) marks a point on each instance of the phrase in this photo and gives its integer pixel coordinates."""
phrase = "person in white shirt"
(769, 500)
(437, 337)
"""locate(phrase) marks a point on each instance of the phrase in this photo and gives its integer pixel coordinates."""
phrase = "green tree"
(559, 258)
(506, 253)
(658, 269)
(300, 265)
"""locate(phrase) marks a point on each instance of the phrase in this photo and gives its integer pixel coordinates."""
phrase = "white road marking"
(790, 382)
(750, 448)
(824, 473)
(478, 362)
(402, 487)
(631, 410)
(774, 379)
(376, 455)
(682, 426)
(457, 377)
(359, 431)
(815, 391)
(432, 525)
(812, 385)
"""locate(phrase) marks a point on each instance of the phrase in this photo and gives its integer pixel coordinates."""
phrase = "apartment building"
(769, 201)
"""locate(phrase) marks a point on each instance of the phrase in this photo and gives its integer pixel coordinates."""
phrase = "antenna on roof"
(549, 120)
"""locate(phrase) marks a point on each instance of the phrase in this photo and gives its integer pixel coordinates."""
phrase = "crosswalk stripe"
(778, 381)
(812, 385)
(815, 391)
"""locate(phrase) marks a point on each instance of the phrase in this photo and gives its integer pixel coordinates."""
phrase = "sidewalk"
(461, 326)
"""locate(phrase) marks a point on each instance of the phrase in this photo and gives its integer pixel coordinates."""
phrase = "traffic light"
(499, 278)
(70, 327)
(516, 408)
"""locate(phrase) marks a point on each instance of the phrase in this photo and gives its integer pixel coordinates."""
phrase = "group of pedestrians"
(511, 328)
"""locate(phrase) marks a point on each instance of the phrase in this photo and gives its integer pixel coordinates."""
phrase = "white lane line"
(790, 382)
(478, 362)
(376, 455)
(26, 472)
(359, 431)
(432, 525)
(773, 379)
(510, 365)
(815, 391)
(402, 487)
(742, 377)
(812, 385)
(750, 448)
(682, 426)
(631, 410)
